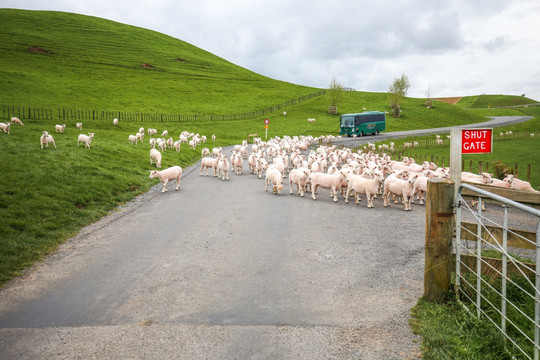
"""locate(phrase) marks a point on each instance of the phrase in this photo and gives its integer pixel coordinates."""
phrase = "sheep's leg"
(335, 191)
(177, 183)
(164, 185)
(347, 195)
(313, 190)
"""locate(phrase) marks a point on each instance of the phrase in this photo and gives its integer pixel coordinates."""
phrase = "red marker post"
(266, 126)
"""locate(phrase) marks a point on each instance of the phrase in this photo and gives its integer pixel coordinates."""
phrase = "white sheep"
(209, 162)
(299, 177)
(140, 136)
(223, 167)
(172, 173)
(5, 127)
(16, 121)
(46, 139)
(402, 188)
(79, 126)
(165, 133)
(205, 152)
(132, 139)
(273, 176)
(86, 139)
(155, 157)
(60, 128)
(361, 185)
(115, 122)
(176, 145)
(327, 181)
(213, 137)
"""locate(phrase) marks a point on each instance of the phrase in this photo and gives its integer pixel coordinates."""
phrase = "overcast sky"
(456, 47)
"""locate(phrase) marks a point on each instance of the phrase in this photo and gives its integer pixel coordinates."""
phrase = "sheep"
(140, 136)
(79, 126)
(310, 120)
(237, 163)
(86, 139)
(401, 188)
(16, 121)
(518, 184)
(176, 145)
(262, 165)
(165, 133)
(172, 173)
(46, 139)
(132, 139)
(205, 152)
(60, 128)
(155, 157)
(170, 143)
(216, 152)
(327, 181)
(214, 138)
(361, 185)
(273, 176)
(115, 122)
(5, 127)
(300, 178)
(152, 143)
(209, 162)
(161, 144)
(223, 167)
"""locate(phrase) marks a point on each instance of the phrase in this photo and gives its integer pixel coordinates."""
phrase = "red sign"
(266, 121)
(476, 141)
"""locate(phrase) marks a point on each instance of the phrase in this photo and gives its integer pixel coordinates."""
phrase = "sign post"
(467, 141)
(266, 126)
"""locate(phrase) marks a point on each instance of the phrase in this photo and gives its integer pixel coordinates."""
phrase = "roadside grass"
(449, 332)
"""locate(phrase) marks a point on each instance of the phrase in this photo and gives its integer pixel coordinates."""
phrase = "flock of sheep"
(340, 170)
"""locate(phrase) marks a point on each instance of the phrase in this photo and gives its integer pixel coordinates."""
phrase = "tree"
(334, 94)
(397, 91)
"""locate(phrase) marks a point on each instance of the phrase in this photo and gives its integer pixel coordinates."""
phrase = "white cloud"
(456, 47)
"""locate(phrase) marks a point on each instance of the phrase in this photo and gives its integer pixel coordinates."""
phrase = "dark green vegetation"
(82, 62)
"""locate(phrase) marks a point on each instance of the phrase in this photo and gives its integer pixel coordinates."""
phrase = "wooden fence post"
(438, 243)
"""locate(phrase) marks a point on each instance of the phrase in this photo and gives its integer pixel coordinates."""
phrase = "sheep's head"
(153, 173)
(277, 189)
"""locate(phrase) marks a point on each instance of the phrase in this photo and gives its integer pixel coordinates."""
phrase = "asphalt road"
(224, 270)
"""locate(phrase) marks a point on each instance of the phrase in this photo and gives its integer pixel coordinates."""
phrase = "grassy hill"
(62, 59)
(493, 101)
(55, 59)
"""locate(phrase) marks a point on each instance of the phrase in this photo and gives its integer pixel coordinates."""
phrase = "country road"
(224, 270)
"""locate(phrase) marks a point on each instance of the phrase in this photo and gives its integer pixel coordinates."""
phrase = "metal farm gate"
(495, 267)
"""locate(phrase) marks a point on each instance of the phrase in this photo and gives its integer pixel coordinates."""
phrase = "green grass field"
(48, 195)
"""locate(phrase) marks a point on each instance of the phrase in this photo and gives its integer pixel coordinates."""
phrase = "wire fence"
(497, 277)
(40, 113)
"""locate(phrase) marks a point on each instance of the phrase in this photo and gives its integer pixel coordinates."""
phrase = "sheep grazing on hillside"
(5, 127)
(155, 157)
(79, 126)
(132, 139)
(172, 173)
(60, 128)
(17, 121)
(311, 120)
(86, 139)
(46, 139)
(115, 122)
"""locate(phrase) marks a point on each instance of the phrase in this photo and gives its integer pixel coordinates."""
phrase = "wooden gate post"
(439, 232)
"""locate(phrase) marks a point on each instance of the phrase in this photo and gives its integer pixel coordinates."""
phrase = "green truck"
(364, 123)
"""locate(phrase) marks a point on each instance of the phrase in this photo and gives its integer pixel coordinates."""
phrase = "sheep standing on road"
(223, 167)
(86, 139)
(46, 139)
(273, 176)
(172, 173)
(327, 181)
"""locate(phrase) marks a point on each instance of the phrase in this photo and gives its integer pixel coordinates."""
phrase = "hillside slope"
(62, 59)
